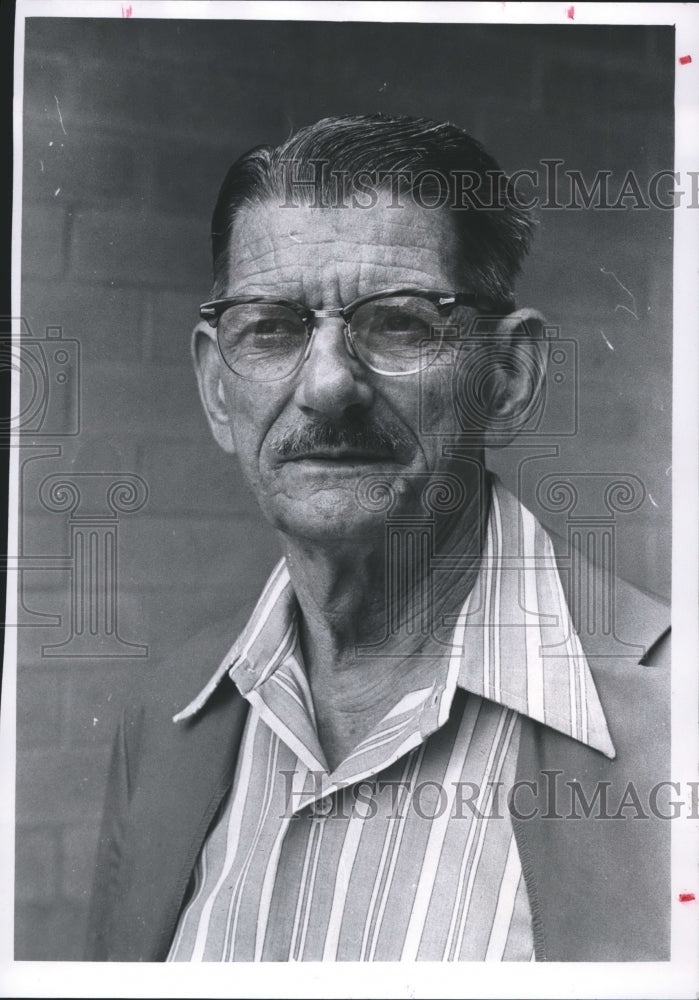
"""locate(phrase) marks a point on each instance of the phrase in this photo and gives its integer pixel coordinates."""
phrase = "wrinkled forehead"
(328, 256)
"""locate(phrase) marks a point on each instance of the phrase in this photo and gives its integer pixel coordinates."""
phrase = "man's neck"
(371, 619)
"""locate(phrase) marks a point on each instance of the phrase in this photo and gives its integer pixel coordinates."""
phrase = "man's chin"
(330, 514)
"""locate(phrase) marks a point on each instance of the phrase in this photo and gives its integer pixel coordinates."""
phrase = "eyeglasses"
(393, 332)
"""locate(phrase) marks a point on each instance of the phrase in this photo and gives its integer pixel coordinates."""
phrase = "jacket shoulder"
(172, 680)
(614, 619)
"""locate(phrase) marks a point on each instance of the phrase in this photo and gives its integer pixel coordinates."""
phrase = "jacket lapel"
(599, 886)
(185, 770)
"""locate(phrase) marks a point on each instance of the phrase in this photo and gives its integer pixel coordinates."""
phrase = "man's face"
(326, 258)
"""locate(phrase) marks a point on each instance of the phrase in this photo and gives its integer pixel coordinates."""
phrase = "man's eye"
(402, 322)
(399, 323)
(270, 329)
(259, 327)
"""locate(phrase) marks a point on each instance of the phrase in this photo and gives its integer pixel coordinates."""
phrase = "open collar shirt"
(406, 850)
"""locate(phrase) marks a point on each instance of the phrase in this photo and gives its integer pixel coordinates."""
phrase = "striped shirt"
(405, 851)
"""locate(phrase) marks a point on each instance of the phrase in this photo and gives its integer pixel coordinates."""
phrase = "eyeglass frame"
(211, 312)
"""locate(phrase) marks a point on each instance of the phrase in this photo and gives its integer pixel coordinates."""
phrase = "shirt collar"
(513, 640)
(254, 648)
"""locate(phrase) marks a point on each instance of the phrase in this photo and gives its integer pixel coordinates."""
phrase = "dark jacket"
(599, 887)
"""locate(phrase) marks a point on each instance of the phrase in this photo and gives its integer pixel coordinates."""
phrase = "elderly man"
(371, 770)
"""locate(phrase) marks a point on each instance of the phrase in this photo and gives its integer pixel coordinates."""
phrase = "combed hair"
(493, 239)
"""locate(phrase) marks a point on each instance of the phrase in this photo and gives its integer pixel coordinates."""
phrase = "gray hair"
(494, 232)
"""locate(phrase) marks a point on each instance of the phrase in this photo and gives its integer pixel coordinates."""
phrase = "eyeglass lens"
(266, 341)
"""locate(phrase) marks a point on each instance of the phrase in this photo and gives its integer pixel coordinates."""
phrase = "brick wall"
(129, 126)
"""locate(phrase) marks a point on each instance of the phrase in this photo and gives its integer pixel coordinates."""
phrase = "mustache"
(356, 433)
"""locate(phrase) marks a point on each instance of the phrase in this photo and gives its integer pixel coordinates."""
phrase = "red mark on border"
(570, 13)
(687, 897)
(127, 11)
(684, 60)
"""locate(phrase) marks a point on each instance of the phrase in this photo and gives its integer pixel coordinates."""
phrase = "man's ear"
(510, 382)
(209, 370)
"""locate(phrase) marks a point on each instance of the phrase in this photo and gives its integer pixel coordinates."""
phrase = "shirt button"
(323, 807)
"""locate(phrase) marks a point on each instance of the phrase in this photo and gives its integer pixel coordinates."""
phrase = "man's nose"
(331, 380)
